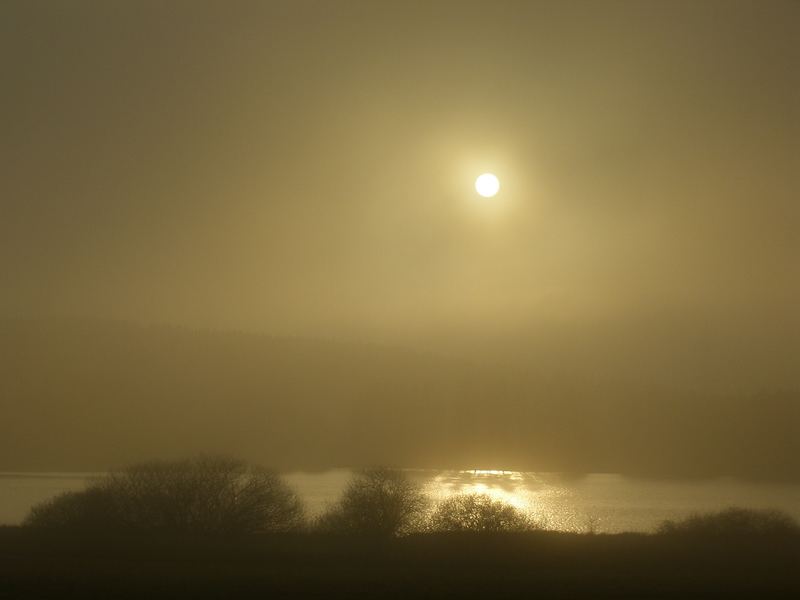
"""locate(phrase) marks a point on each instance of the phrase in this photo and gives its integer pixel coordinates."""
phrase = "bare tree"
(377, 501)
(90, 510)
(478, 512)
(204, 495)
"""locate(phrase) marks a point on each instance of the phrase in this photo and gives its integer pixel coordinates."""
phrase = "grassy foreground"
(53, 564)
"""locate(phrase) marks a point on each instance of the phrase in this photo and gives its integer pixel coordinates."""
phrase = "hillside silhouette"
(87, 395)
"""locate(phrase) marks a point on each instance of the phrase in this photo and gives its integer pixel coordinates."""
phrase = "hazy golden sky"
(307, 167)
(627, 302)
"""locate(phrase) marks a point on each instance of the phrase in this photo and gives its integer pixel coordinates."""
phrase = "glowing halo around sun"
(487, 185)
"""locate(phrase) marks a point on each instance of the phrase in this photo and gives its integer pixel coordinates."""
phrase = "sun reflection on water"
(544, 500)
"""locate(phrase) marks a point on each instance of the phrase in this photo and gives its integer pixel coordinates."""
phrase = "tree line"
(223, 495)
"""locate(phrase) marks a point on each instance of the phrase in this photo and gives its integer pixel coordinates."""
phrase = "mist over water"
(93, 395)
(604, 503)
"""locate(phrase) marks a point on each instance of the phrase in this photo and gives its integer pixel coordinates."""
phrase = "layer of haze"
(306, 169)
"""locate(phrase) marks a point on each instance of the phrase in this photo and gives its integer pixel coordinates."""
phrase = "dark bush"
(377, 501)
(201, 495)
(477, 512)
(733, 521)
(92, 509)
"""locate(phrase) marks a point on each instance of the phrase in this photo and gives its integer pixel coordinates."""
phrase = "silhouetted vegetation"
(478, 512)
(377, 501)
(734, 521)
(55, 563)
(126, 537)
(93, 509)
(200, 495)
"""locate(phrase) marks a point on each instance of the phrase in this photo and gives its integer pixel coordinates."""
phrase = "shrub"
(377, 501)
(200, 495)
(91, 509)
(477, 512)
(733, 521)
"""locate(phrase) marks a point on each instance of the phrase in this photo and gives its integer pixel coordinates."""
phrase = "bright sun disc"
(487, 185)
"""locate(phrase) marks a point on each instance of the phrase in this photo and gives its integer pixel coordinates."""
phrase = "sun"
(487, 185)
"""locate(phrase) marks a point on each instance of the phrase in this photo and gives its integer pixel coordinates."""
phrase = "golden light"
(487, 185)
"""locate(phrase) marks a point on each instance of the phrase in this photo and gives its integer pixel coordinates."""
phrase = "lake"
(603, 502)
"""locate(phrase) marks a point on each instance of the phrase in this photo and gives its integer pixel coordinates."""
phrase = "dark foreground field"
(35, 564)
